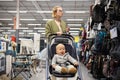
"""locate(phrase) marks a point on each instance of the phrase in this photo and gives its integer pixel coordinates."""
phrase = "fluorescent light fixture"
(6, 32)
(21, 33)
(37, 0)
(41, 30)
(75, 34)
(74, 31)
(32, 33)
(74, 19)
(5, 19)
(74, 25)
(16, 11)
(13, 24)
(27, 30)
(74, 28)
(44, 11)
(23, 28)
(20, 19)
(46, 19)
(11, 30)
(76, 0)
(28, 19)
(6, 0)
(34, 24)
(42, 33)
(5, 27)
(76, 11)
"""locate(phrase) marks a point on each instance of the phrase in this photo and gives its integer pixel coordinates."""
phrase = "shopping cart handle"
(62, 35)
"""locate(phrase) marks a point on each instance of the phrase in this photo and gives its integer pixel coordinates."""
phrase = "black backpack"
(113, 12)
(98, 14)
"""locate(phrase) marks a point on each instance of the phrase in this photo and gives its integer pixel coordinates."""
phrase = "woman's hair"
(54, 10)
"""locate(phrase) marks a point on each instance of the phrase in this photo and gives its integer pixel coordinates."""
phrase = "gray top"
(61, 59)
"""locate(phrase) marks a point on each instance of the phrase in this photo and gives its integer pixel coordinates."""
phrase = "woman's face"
(59, 12)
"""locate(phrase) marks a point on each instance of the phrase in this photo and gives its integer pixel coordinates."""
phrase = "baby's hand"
(76, 63)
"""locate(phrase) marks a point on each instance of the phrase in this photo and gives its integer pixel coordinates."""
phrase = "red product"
(13, 38)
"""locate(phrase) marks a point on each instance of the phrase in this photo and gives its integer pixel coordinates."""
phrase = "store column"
(17, 22)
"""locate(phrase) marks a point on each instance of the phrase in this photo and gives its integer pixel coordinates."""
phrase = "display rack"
(3, 48)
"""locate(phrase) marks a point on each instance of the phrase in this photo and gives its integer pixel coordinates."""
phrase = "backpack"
(98, 42)
(113, 12)
(98, 14)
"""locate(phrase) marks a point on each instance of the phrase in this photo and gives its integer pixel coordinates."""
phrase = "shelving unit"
(2, 63)
(3, 48)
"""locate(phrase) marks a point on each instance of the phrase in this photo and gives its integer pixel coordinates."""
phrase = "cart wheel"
(78, 78)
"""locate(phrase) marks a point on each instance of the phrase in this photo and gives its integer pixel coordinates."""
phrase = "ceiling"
(34, 13)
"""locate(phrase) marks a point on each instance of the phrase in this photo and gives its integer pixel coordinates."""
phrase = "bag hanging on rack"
(98, 14)
(115, 40)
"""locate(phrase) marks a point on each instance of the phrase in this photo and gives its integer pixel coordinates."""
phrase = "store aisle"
(40, 75)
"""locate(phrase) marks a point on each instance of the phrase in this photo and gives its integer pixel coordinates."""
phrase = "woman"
(56, 25)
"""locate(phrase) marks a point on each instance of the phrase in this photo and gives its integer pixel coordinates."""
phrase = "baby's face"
(60, 50)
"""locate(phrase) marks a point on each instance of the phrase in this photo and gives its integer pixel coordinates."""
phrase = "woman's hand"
(59, 33)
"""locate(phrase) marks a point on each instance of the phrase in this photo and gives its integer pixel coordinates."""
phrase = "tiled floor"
(40, 75)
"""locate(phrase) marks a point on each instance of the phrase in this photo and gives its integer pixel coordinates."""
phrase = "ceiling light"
(37, 0)
(28, 19)
(76, 11)
(76, 0)
(23, 28)
(16, 11)
(33, 24)
(46, 19)
(74, 28)
(73, 31)
(32, 33)
(21, 33)
(5, 19)
(20, 19)
(27, 30)
(11, 30)
(5, 27)
(74, 25)
(42, 33)
(41, 30)
(44, 11)
(6, 0)
(13, 24)
(74, 34)
(74, 19)
(6, 32)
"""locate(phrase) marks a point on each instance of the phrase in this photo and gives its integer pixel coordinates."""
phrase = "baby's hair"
(60, 44)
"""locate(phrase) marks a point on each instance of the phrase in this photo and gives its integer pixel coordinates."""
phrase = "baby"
(61, 61)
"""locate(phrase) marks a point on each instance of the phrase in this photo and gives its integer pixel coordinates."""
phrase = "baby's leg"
(61, 69)
(71, 69)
